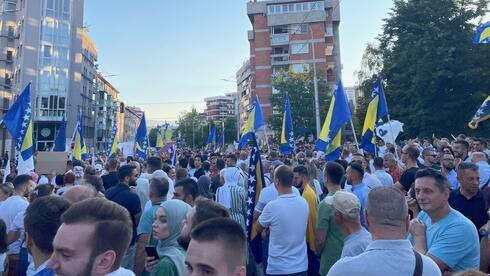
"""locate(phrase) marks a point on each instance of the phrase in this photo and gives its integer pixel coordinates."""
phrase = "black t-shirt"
(407, 178)
(121, 194)
(110, 180)
(474, 209)
(198, 173)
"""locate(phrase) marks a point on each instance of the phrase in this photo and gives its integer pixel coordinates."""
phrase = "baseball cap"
(98, 168)
(346, 203)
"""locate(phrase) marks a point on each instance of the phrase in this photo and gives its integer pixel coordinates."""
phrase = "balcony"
(279, 59)
(279, 39)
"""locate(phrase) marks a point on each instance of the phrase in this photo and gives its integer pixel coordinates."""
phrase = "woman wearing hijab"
(166, 229)
(232, 196)
(203, 186)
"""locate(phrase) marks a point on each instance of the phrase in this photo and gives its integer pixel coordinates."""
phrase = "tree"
(230, 130)
(435, 78)
(193, 129)
(299, 87)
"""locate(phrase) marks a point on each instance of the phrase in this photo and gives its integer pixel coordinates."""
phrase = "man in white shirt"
(287, 219)
(10, 209)
(384, 177)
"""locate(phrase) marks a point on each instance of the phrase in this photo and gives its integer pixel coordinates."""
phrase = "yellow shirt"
(310, 197)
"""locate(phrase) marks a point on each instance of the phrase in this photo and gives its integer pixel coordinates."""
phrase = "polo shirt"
(287, 219)
(122, 195)
(335, 237)
(384, 257)
(267, 195)
(474, 209)
(384, 177)
(452, 177)
(361, 191)
(453, 240)
(356, 243)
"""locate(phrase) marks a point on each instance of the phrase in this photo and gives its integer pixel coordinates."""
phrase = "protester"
(392, 167)
(68, 183)
(203, 185)
(385, 178)
(347, 215)
(481, 160)
(92, 239)
(329, 236)
(3, 247)
(461, 149)
(287, 250)
(409, 156)
(42, 220)
(215, 179)
(436, 232)
(389, 253)
(232, 196)
(79, 193)
(354, 176)
(199, 170)
(186, 190)
(429, 157)
(448, 170)
(122, 195)
(6, 190)
(111, 178)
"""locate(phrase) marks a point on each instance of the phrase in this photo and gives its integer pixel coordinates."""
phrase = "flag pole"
(392, 137)
(354, 132)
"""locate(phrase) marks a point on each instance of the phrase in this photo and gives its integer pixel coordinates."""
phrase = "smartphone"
(151, 251)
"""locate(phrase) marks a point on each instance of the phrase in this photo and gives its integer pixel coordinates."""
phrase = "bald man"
(481, 160)
(79, 193)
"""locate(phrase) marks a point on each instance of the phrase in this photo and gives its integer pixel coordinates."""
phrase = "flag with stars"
(79, 149)
(220, 142)
(377, 109)
(18, 122)
(287, 134)
(141, 141)
(482, 114)
(112, 147)
(338, 114)
(174, 155)
(255, 184)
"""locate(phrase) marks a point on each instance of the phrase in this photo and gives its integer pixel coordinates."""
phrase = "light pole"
(315, 86)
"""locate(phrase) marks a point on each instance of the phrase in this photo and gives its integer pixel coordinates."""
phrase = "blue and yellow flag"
(18, 122)
(302, 134)
(338, 114)
(212, 136)
(60, 141)
(220, 142)
(167, 134)
(80, 149)
(254, 122)
(141, 140)
(111, 150)
(377, 109)
(160, 142)
(481, 114)
(255, 185)
(287, 134)
(482, 34)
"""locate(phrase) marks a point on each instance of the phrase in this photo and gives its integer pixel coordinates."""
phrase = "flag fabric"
(167, 135)
(287, 134)
(60, 141)
(220, 142)
(482, 34)
(18, 122)
(141, 139)
(377, 109)
(482, 114)
(174, 155)
(302, 134)
(254, 122)
(338, 114)
(7, 170)
(212, 136)
(114, 140)
(255, 184)
(160, 143)
(79, 150)
(388, 132)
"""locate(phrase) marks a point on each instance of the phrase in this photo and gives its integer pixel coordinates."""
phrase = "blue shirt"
(453, 240)
(484, 169)
(361, 191)
(451, 176)
(145, 225)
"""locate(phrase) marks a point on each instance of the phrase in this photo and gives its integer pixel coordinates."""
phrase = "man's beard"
(184, 241)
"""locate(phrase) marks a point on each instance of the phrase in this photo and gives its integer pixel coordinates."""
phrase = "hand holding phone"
(151, 251)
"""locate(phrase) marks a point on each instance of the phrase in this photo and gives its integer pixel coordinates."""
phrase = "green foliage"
(193, 129)
(299, 87)
(435, 78)
(152, 137)
(230, 130)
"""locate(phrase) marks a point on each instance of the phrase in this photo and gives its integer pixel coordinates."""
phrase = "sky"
(166, 56)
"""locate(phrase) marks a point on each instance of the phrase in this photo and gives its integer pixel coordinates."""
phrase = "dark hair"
(378, 162)
(89, 170)
(463, 166)
(42, 220)
(113, 163)
(231, 156)
(465, 144)
(334, 172)
(154, 162)
(166, 168)
(229, 234)
(113, 227)
(301, 170)
(343, 163)
(3, 237)
(440, 180)
(183, 163)
(125, 171)
(95, 181)
(481, 140)
(412, 152)
(285, 175)
(78, 163)
(206, 165)
(191, 163)
(189, 186)
(40, 191)
(159, 186)
(68, 178)
(358, 168)
(181, 173)
(21, 180)
(207, 209)
(220, 164)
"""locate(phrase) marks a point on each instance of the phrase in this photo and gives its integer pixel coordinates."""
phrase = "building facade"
(243, 79)
(353, 94)
(291, 35)
(89, 87)
(109, 109)
(132, 118)
(219, 108)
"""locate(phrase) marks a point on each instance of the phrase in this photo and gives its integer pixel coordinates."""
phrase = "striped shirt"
(238, 208)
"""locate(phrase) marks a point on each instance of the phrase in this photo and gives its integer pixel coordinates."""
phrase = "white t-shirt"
(287, 218)
(384, 177)
(8, 211)
(371, 181)
(267, 195)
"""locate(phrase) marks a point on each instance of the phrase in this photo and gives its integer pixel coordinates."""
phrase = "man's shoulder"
(349, 266)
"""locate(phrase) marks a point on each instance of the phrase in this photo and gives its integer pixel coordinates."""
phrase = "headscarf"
(203, 186)
(223, 194)
(176, 211)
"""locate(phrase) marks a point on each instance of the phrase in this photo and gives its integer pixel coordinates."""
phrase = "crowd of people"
(417, 208)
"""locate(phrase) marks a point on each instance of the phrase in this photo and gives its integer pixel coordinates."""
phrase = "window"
(283, 29)
(299, 48)
(47, 51)
(61, 104)
(300, 29)
(297, 7)
(328, 30)
(10, 54)
(7, 79)
(11, 31)
(44, 103)
(300, 67)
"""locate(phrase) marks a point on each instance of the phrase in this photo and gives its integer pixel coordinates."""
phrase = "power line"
(162, 103)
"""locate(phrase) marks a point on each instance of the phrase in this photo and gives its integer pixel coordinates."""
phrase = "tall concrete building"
(291, 34)
(219, 108)
(42, 44)
(109, 108)
(89, 87)
(243, 79)
(132, 118)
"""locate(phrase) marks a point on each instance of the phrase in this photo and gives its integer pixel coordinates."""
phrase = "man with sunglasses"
(429, 157)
